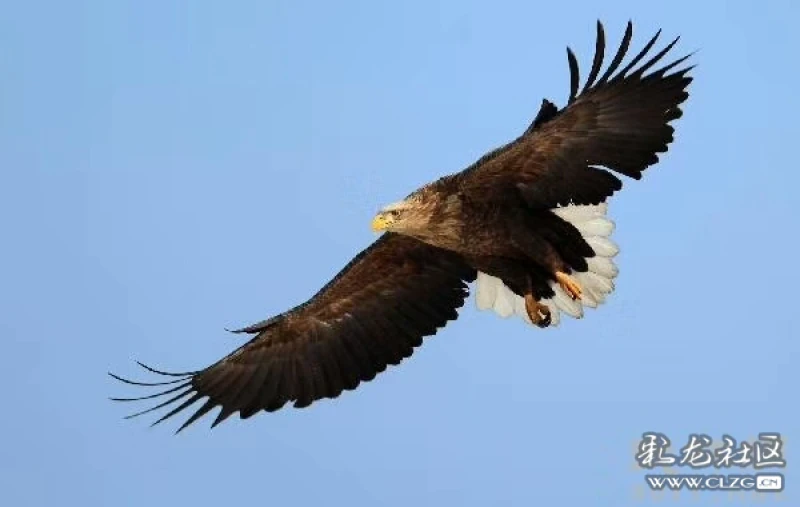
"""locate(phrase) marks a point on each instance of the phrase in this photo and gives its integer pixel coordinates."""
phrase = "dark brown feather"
(372, 314)
(547, 112)
(621, 124)
(599, 50)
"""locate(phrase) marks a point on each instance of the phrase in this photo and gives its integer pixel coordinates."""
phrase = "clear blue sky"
(168, 169)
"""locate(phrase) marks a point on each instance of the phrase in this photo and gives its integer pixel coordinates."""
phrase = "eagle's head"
(403, 216)
(427, 214)
(410, 216)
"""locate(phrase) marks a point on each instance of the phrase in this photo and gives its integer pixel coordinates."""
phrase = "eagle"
(527, 223)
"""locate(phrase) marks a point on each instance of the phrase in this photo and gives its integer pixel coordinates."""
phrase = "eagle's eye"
(394, 213)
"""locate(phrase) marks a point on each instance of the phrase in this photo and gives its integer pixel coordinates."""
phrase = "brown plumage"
(528, 218)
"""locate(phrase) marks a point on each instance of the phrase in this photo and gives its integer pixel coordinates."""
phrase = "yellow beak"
(379, 223)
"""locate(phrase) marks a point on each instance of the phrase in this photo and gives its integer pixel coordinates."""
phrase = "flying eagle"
(527, 222)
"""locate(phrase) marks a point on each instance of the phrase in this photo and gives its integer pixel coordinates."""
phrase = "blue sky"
(168, 169)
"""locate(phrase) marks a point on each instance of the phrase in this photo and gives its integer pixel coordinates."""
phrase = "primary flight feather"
(527, 222)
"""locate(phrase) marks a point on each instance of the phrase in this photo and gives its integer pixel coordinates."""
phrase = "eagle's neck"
(444, 226)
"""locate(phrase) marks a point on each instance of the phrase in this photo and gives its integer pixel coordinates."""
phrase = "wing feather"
(621, 52)
(599, 50)
(618, 124)
(372, 314)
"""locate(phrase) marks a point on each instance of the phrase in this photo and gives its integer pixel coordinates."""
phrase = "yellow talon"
(569, 285)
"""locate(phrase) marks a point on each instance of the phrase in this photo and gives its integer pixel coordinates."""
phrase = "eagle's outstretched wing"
(619, 120)
(372, 314)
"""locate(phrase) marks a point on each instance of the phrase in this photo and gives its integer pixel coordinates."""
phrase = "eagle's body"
(527, 222)
(512, 243)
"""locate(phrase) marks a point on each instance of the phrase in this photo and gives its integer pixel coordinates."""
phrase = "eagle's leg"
(569, 285)
(538, 313)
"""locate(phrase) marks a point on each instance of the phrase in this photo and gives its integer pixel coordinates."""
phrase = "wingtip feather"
(574, 74)
(165, 373)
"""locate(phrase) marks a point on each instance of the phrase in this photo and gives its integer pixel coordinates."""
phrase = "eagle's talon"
(546, 317)
(570, 286)
(537, 312)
